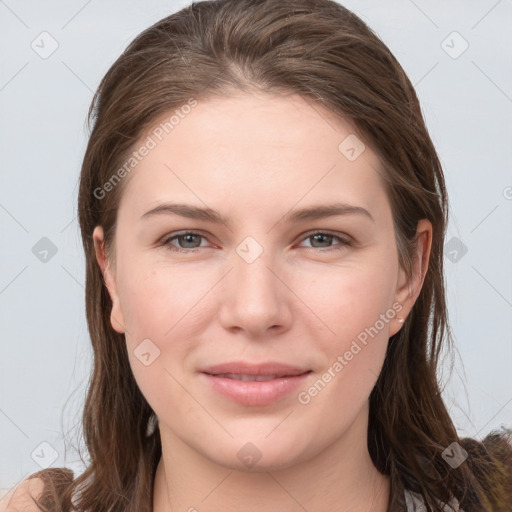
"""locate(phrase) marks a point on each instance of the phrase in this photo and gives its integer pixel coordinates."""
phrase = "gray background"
(45, 354)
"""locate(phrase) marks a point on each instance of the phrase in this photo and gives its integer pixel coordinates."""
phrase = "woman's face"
(259, 287)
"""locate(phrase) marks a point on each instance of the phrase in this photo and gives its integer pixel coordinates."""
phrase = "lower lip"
(256, 392)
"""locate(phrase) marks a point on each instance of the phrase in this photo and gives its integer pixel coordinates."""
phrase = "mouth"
(253, 378)
(239, 369)
(252, 385)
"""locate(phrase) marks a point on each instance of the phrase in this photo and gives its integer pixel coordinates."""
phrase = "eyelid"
(166, 239)
(345, 240)
(342, 236)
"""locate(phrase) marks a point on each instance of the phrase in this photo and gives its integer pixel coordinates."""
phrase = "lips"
(248, 378)
(252, 384)
(248, 371)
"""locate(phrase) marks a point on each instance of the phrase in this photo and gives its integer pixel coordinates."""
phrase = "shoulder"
(490, 461)
(20, 499)
(48, 486)
(414, 503)
(495, 447)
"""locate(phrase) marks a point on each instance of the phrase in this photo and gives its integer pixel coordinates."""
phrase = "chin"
(260, 454)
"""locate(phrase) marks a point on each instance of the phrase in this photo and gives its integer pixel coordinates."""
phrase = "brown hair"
(323, 52)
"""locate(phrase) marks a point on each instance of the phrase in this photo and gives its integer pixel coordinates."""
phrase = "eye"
(189, 241)
(323, 237)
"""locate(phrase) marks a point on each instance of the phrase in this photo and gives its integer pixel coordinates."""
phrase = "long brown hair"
(323, 52)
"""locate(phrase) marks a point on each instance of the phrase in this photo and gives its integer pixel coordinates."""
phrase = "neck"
(341, 478)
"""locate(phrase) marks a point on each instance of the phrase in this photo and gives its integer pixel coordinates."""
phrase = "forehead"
(257, 150)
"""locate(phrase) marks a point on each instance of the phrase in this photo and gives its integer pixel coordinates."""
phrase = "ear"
(408, 290)
(116, 315)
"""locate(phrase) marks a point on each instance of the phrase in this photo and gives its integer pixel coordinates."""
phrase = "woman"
(263, 215)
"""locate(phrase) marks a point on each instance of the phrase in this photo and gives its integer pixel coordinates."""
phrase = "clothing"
(414, 503)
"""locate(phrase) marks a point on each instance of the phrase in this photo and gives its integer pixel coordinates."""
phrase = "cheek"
(155, 298)
(355, 303)
(349, 299)
(166, 305)
(159, 313)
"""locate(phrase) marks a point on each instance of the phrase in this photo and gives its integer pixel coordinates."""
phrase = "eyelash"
(344, 242)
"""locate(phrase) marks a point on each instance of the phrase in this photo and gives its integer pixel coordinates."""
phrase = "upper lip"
(245, 368)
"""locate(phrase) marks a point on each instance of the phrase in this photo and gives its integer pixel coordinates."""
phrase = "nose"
(255, 298)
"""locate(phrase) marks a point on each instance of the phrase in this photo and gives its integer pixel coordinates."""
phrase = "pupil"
(188, 239)
(325, 237)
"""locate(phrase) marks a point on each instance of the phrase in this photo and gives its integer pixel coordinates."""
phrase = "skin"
(254, 158)
(20, 498)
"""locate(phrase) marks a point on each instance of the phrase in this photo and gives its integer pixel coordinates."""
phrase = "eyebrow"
(314, 212)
